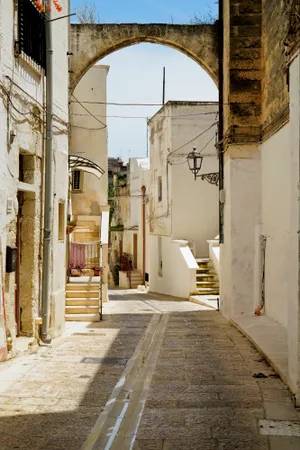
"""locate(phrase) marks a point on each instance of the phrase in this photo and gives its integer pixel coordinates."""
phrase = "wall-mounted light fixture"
(195, 160)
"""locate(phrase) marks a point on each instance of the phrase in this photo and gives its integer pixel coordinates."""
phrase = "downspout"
(144, 231)
(221, 121)
(48, 198)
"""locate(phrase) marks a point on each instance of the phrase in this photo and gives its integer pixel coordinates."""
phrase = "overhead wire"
(130, 104)
(89, 112)
(146, 117)
(193, 139)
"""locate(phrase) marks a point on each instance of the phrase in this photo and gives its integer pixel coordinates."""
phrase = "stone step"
(86, 223)
(85, 237)
(82, 317)
(207, 291)
(82, 301)
(82, 294)
(203, 270)
(83, 309)
(82, 287)
(207, 284)
(203, 260)
(206, 276)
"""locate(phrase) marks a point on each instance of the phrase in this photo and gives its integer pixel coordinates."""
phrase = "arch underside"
(89, 45)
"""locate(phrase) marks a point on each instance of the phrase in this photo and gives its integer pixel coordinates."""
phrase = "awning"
(86, 165)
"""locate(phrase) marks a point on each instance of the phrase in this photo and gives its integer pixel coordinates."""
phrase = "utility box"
(11, 259)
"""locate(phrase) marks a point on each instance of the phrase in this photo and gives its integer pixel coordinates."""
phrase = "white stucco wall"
(242, 212)
(179, 268)
(26, 84)
(138, 176)
(89, 139)
(192, 205)
(276, 191)
(293, 312)
(195, 207)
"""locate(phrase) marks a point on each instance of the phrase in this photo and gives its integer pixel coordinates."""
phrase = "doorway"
(135, 251)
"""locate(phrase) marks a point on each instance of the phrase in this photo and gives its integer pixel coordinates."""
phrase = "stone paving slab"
(202, 395)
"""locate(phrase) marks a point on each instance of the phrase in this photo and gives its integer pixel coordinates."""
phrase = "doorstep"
(269, 337)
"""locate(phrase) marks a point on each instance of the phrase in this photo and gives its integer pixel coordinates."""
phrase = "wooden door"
(135, 250)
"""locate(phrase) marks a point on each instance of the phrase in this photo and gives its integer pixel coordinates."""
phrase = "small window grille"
(31, 31)
(76, 180)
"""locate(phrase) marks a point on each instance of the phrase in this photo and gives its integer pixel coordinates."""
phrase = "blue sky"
(135, 74)
(178, 11)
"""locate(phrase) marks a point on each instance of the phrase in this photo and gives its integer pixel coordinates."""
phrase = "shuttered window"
(76, 180)
(31, 31)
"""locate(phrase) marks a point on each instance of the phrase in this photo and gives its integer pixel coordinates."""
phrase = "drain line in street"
(117, 425)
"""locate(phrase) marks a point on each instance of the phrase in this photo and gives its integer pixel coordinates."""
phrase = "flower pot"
(69, 229)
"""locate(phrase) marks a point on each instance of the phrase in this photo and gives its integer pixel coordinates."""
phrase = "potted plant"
(76, 270)
(97, 271)
(71, 224)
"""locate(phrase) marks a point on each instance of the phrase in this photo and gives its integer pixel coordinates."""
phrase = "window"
(77, 179)
(31, 32)
(61, 221)
(159, 189)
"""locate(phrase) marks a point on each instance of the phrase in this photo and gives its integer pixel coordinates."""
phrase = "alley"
(155, 374)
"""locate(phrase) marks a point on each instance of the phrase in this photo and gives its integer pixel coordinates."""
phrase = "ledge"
(269, 337)
(26, 187)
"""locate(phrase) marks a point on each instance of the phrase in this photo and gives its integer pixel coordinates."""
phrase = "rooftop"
(171, 103)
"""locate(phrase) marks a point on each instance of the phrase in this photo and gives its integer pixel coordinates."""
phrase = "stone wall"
(243, 54)
(275, 98)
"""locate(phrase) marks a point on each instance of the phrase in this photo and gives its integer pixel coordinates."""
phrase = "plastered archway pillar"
(242, 166)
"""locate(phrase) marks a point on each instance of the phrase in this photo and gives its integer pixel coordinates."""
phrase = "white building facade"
(183, 213)
(22, 155)
(136, 232)
(89, 193)
(89, 139)
(259, 259)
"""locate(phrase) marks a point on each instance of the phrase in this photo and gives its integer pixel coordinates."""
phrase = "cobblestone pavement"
(154, 375)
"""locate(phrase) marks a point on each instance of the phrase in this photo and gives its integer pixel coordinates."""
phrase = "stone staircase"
(136, 279)
(82, 302)
(206, 278)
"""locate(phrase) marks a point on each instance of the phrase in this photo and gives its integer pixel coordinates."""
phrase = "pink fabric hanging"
(77, 255)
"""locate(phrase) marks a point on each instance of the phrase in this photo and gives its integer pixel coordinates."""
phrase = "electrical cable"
(145, 117)
(131, 104)
(191, 140)
(88, 111)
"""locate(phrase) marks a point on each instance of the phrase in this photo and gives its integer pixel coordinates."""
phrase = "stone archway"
(90, 43)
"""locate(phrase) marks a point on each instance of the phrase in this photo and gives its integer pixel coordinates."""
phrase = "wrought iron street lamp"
(195, 160)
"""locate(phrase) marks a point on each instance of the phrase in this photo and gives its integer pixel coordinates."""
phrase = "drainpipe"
(144, 230)
(48, 198)
(221, 121)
